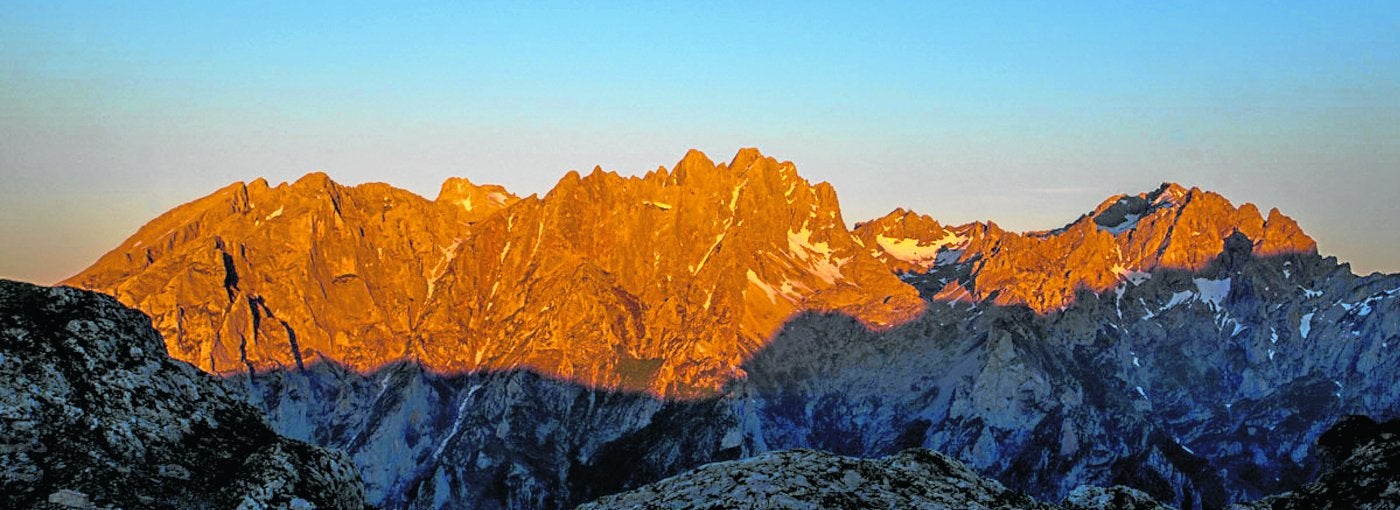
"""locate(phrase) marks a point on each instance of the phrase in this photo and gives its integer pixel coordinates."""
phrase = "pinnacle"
(454, 186)
(317, 179)
(745, 157)
(695, 157)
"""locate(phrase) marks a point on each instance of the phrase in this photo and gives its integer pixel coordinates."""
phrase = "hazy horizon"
(112, 114)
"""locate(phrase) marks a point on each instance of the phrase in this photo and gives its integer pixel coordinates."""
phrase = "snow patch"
(457, 421)
(764, 286)
(948, 257)
(1183, 446)
(1305, 325)
(269, 217)
(918, 252)
(706, 258)
(1179, 298)
(817, 255)
(1213, 291)
(659, 205)
(1136, 277)
(1129, 221)
(438, 269)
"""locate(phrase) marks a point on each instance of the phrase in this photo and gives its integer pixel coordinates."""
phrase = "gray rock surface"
(809, 479)
(1117, 497)
(1363, 459)
(93, 414)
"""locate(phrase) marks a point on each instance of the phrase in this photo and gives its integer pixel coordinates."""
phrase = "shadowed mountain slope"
(1196, 394)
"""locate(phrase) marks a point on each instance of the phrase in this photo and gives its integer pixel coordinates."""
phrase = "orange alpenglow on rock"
(1169, 228)
(256, 277)
(662, 283)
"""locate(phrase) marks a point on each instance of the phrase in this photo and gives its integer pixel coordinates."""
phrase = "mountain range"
(663, 283)
(485, 350)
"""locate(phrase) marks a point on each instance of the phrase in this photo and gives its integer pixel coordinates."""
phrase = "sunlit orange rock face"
(663, 283)
(1171, 227)
(254, 276)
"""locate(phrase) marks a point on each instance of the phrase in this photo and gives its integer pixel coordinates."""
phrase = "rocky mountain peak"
(477, 201)
(695, 268)
(906, 241)
(664, 282)
(1171, 227)
(747, 156)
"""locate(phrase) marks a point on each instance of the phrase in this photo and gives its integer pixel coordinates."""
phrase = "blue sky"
(1022, 113)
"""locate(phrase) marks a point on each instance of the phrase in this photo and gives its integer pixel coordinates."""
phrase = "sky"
(1021, 113)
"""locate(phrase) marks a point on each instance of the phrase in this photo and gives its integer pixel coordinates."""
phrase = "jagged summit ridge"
(688, 271)
(664, 282)
(256, 277)
(1171, 227)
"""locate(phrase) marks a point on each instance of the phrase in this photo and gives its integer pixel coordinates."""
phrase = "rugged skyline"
(111, 114)
(488, 351)
(664, 283)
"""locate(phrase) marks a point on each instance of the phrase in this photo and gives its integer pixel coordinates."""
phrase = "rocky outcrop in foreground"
(1366, 472)
(1365, 475)
(810, 479)
(94, 414)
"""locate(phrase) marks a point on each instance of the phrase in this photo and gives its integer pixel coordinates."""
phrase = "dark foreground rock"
(810, 479)
(93, 414)
(1105, 498)
(1365, 472)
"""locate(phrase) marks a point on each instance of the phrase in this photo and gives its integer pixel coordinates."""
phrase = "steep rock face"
(1200, 373)
(92, 412)
(909, 242)
(664, 283)
(1169, 228)
(809, 479)
(1199, 389)
(257, 277)
(1196, 388)
(491, 440)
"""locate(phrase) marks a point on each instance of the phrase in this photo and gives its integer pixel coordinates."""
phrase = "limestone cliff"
(1168, 228)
